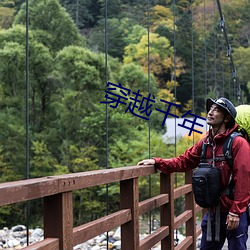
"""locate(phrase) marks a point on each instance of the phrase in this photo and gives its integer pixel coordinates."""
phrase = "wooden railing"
(59, 232)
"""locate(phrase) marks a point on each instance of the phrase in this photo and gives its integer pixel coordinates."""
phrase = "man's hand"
(146, 162)
(232, 221)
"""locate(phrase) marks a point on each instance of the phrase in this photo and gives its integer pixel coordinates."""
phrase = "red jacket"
(241, 167)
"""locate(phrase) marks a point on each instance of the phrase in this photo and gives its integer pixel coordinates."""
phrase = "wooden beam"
(152, 203)
(190, 205)
(178, 192)
(167, 210)
(198, 231)
(46, 244)
(90, 230)
(182, 218)
(58, 219)
(24, 190)
(152, 239)
(99, 177)
(185, 244)
(129, 197)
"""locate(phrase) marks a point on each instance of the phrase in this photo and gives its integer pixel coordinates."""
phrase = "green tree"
(84, 13)
(133, 77)
(13, 60)
(117, 32)
(241, 56)
(161, 57)
(42, 163)
(53, 25)
(6, 17)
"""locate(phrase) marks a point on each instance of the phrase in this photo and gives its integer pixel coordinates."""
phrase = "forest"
(58, 61)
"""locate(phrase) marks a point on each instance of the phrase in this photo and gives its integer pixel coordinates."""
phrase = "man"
(221, 115)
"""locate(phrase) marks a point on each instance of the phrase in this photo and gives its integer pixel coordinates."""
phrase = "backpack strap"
(203, 152)
(227, 151)
(227, 148)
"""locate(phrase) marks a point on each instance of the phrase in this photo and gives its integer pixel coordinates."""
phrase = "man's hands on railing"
(146, 162)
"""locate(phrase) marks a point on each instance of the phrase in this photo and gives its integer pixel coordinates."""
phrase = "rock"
(81, 246)
(111, 239)
(3, 233)
(100, 238)
(117, 244)
(95, 248)
(23, 240)
(16, 238)
(18, 247)
(111, 233)
(18, 228)
(13, 243)
(38, 232)
(103, 243)
(91, 242)
(18, 234)
(117, 234)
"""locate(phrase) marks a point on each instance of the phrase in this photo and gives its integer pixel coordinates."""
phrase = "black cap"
(223, 103)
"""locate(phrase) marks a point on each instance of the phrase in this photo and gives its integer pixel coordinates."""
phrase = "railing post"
(190, 205)
(58, 219)
(129, 198)
(167, 210)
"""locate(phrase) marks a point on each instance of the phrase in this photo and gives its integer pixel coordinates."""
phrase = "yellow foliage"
(203, 114)
(160, 53)
(194, 137)
(171, 85)
(166, 95)
(6, 17)
(161, 15)
(188, 105)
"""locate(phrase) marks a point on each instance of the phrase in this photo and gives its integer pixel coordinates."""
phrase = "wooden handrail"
(58, 208)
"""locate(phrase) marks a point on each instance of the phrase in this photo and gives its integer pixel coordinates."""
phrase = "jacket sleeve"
(185, 162)
(241, 175)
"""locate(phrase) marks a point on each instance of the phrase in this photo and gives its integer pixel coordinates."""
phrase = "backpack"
(206, 179)
(206, 185)
(243, 120)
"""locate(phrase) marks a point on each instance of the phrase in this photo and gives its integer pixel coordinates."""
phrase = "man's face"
(215, 116)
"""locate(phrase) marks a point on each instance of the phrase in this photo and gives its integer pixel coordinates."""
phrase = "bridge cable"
(107, 120)
(229, 54)
(27, 204)
(175, 95)
(192, 62)
(149, 142)
(222, 68)
(215, 51)
(205, 49)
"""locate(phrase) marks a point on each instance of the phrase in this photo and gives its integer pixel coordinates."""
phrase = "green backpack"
(243, 119)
